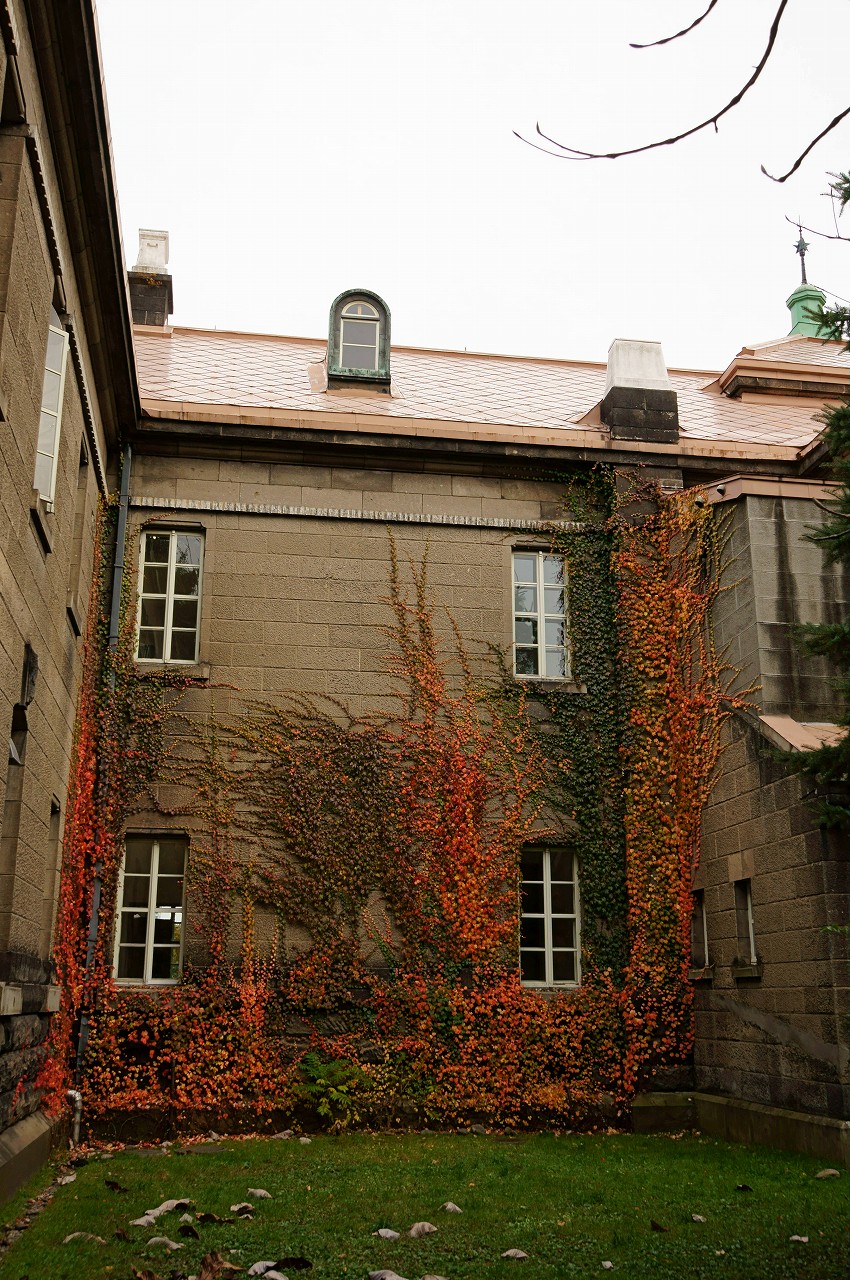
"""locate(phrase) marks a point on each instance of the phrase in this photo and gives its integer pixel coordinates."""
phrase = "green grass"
(569, 1202)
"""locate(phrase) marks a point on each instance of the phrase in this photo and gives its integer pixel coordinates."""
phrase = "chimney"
(639, 401)
(150, 283)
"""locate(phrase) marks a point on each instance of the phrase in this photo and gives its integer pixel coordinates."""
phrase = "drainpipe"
(114, 623)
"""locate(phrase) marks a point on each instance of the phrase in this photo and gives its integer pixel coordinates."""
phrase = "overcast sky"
(296, 150)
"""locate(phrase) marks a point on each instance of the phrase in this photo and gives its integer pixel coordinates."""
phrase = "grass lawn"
(570, 1202)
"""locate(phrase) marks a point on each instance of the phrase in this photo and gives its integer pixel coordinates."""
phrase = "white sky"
(296, 150)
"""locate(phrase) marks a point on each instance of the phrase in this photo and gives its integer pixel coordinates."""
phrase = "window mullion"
(169, 598)
(151, 910)
(547, 916)
(541, 621)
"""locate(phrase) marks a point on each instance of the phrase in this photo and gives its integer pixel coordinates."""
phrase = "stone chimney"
(639, 401)
(150, 283)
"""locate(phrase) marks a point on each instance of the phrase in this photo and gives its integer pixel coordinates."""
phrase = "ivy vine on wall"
(389, 847)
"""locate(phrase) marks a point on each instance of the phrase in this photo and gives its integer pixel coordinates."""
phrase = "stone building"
(67, 391)
(260, 475)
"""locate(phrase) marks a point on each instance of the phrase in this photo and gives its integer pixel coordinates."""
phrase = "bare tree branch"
(795, 166)
(824, 235)
(574, 154)
(654, 43)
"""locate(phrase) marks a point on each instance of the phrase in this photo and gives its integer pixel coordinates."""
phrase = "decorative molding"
(350, 513)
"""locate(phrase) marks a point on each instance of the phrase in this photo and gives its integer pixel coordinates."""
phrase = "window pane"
(555, 634)
(166, 927)
(136, 891)
(526, 662)
(50, 391)
(553, 600)
(131, 962)
(525, 599)
(556, 663)
(531, 932)
(43, 473)
(185, 613)
(553, 569)
(169, 891)
(55, 351)
(153, 613)
(155, 580)
(525, 568)
(563, 899)
(48, 425)
(137, 855)
(532, 864)
(360, 333)
(359, 357)
(532, 966)
(166, 962)
(359, 309)
(561, 864)
(564, 966)
(134, 926)
(172, 857)
(563, 932)
(150, 644)
(183, 646)
(188, 549)
(525, 631)
(157, 546)
(186, 581)
(532, 898)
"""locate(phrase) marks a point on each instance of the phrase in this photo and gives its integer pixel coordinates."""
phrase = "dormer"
(359, 341)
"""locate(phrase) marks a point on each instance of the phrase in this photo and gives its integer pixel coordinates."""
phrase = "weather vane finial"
(800, 247)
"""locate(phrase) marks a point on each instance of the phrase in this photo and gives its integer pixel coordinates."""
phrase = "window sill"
(705, 974)
(550, 991)
(191, 670)
(745, 971)
(133, 984)
(72, 609)
(41, 515)
(550, 684)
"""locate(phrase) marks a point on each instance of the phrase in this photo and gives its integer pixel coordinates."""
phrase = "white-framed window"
(359, 335)
(50, 421)
(149, 914)
(744, 920)
(550, 943)
(541, 641)
(170, 566)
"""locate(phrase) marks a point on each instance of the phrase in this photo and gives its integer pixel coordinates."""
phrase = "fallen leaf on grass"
(260, 1268)
(305, 1142)
(828, 1173)
(145, 1275)
(515, 1253)
(83, 1235)
(121, 1234)
(168, 1206)
(420, 1229)
(742, 1186)
(386, 1233)
(259, 1194)
(114, 1186)
(215, 1264)
(146, 1220)
(63, 1182)
(607, 1266)
(697, 1217)
(284, 1134)
(208, 1218)
(244, 1210)
(801, 1239)
(186, 1229)
(451, 1207)
(656, 1226)
(276, 1275)
(295, 1263)
(385, 1275)
(170, 1245)
(430, 1277)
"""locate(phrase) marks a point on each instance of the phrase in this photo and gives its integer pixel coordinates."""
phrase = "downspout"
(114, 624)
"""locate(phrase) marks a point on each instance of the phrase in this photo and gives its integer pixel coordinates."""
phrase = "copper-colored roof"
(801, 349)
(183, 370)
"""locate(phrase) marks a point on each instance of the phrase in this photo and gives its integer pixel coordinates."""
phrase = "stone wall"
(775, 1032)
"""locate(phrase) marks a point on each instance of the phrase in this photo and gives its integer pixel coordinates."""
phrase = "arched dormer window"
(359, 340)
